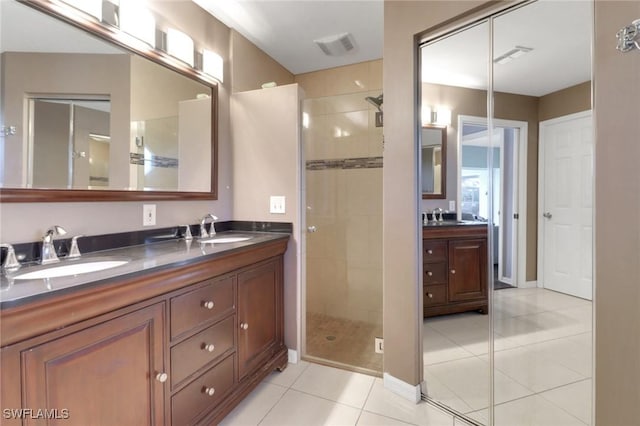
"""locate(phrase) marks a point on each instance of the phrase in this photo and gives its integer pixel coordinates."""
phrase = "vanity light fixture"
(137, 21)
(440, 116)
(512, 54)
(90, 7)
(180, 46)
(213, 64)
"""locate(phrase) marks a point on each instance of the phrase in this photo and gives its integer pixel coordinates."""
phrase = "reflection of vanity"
(454, 274)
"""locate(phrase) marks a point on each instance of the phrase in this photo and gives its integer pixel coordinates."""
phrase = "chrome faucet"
(74, 251)
(10, 262)
(48, 250)
(203, 228)
(439, 211)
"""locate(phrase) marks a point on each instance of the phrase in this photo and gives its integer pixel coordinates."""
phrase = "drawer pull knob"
(209, 348)
(430, 296)
(244, 325)
(430, 273)
(208, 304)
(162, 377)
(453, 271)
(429, 251)
(209, 391)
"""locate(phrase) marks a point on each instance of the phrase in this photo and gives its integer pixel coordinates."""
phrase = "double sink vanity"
(162, 330)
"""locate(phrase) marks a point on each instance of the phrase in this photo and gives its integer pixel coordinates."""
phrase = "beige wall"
(265, 128)
(251, 67)
(617, 242)
(564, 102)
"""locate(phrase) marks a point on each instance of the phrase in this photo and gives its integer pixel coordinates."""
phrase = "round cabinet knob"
(430, 296)
(453, 271)
(208, 304)
(430, 273)
(209, 391)
(429, 251)
(209, 348)
(244, 325)
(162, 377)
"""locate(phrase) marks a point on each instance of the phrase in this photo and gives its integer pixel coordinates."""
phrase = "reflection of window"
(471, 195)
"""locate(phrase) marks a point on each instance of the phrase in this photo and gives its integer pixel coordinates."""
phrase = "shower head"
(376, 102)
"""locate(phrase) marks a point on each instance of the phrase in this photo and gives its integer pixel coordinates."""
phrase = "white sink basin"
(225, 239)
(67, 269)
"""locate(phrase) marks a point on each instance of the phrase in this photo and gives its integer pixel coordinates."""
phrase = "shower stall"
(343, 143)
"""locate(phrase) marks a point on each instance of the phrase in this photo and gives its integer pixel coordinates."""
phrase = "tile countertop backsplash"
(144, 250)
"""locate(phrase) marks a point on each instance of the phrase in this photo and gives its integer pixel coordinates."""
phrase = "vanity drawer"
(199, 350)
(191, 402)
(202, 305)
(435, 295)
(434, 273)
(434, 251)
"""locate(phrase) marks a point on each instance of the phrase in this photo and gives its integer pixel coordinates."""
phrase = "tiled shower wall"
(344, 192)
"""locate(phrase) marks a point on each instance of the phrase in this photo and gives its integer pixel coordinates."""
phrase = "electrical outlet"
(148, 214)
(452, 205)
(379, 345)
(277, 204)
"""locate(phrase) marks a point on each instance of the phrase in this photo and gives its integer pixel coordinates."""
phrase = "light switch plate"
(148, 214)
(277, 204)
(452, 205)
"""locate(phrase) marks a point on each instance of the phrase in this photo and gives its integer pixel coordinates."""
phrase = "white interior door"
(566, 204)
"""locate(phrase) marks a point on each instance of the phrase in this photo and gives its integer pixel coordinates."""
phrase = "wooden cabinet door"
(259, 309)
(467, 269)
(102, 375)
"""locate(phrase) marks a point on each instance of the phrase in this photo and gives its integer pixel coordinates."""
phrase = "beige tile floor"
(542, 377)
(312, 394)
(542, 359)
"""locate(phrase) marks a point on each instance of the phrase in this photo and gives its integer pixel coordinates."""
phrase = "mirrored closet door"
(526, 174)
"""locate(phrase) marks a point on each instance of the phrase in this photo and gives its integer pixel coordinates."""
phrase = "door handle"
(548, 215)
(311, 229)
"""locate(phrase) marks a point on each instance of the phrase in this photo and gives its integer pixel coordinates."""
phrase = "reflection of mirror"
(506, 171)
(434, 149)
(125, 124)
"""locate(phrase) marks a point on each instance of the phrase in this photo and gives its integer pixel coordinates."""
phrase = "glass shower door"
(343, 162)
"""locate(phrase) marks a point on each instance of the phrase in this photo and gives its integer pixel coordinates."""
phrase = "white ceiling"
(286, 29)
(558, 31)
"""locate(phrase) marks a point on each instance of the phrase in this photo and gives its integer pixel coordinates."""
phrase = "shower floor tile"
(343, 341)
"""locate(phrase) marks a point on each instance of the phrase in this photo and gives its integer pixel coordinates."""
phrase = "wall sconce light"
(91, 7)
(137, 21)
(439, 116)
(180, 46)
(213, 64)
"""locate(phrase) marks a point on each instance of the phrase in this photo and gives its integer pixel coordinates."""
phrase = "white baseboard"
(529, 284)
(405, 390)
(293, 356)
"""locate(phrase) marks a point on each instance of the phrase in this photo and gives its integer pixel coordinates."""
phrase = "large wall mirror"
(527, 171)
(85, 118)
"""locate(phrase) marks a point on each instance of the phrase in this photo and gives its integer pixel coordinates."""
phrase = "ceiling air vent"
(336, 45)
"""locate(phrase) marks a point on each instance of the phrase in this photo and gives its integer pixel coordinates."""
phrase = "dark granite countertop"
(141, 259)
(446, 223)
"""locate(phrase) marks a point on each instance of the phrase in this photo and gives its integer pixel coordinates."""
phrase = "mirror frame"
(443, 168)
(112, 35)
